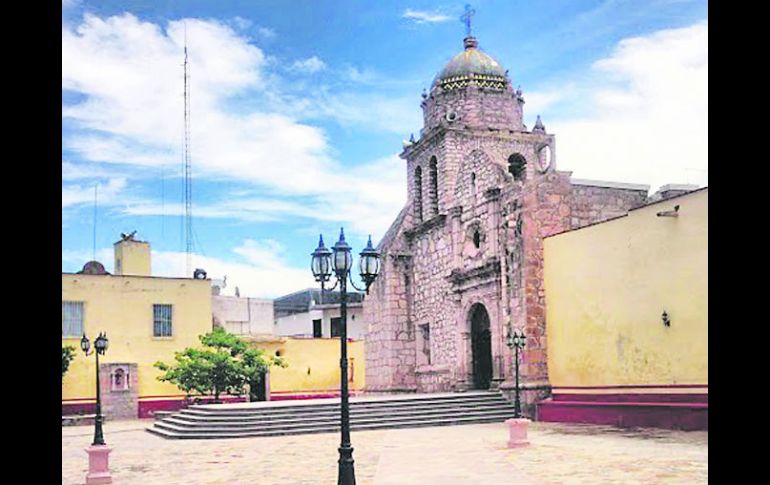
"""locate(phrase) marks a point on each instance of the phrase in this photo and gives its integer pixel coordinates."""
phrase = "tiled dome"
(471, 65)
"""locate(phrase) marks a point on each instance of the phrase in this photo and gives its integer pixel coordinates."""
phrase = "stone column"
(463, 347)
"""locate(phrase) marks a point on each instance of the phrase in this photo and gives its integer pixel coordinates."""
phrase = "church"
(462, 264)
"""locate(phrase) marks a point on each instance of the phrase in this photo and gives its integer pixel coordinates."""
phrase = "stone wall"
(594, 201)
(473, 107)
(390, 333)
(119, 401)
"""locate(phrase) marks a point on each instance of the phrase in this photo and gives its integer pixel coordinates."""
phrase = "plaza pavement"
(451, 455)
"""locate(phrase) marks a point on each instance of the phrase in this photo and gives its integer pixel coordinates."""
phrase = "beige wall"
(606, 287)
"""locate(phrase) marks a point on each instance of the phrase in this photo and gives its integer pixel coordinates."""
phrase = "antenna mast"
(96, 185)
(187, 170)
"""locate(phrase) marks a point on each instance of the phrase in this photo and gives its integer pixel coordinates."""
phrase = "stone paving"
(452, 455)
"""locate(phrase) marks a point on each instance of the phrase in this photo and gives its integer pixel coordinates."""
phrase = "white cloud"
(363, 76)
(379, 195)
(241, 22)
(132, 113)
(266, 32)
(78, 171)
(73, 194)
(643, 112)
(257, 267)
(311, 65)
(260, 269)
(421, 16)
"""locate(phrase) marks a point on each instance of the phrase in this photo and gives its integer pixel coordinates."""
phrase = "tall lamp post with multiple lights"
(517, 427)
(516, 340)
(98, 468)
(338, 262)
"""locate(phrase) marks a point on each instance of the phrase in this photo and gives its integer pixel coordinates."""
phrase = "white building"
(243, 316)
(307, 314)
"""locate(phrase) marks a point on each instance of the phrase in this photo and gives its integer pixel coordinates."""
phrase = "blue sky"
(299, 109)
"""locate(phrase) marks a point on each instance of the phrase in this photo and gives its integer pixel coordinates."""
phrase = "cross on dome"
(466, 18)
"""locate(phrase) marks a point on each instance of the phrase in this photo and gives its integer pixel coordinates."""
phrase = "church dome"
(471, 65)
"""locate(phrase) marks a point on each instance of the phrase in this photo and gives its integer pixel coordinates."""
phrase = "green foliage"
(67, 354)
(225, 364)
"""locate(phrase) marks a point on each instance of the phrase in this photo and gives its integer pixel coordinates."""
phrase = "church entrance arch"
(481, 347)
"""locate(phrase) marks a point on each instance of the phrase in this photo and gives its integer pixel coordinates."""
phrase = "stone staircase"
(323, 415)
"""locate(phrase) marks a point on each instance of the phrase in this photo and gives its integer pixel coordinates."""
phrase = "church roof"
(471, 64)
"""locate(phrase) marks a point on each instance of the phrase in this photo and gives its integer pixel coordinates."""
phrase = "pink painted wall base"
(669, 411)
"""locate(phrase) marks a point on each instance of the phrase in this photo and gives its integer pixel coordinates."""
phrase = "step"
(278, 412)
(333, 414)
(211, 427)
(275, 410)
(365, 400)
(329, 429)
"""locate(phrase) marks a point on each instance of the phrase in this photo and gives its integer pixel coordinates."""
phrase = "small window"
(336, 325)
(161, 321)
(426, 341)
(71, 318)
(433, 185)
(317, 328)
(418, 193)
(476, 239)
(517, 165)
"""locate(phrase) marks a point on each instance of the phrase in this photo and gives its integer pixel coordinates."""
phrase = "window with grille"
(71, 318)
(161, 321)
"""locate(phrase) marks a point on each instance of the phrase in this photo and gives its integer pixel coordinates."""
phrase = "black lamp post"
(100, 347)
(516, 340)
(339, 260)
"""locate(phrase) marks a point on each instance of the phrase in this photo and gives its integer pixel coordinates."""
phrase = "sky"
(298, 110)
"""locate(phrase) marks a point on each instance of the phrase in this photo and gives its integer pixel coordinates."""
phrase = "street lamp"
(517, 340)
(339, 261)
(100, 347)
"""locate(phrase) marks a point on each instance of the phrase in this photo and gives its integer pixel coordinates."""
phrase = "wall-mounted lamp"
(673, 213)
(666, 320)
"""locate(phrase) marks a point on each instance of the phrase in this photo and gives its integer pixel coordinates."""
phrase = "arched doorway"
(481, 347)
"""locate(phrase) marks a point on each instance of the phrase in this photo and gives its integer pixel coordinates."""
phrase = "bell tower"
(462, 262)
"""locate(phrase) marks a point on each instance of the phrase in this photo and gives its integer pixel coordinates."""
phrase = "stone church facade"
(462, 263)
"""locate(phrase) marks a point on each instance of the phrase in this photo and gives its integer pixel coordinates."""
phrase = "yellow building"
(313, 366)
(627, 318)
(146, 319)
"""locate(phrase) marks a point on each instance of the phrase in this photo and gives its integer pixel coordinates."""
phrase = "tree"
(225, 364)
(67, 354)
(254, 366)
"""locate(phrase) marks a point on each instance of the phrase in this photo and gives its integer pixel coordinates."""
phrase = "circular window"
(278, 353)
(451, 116)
